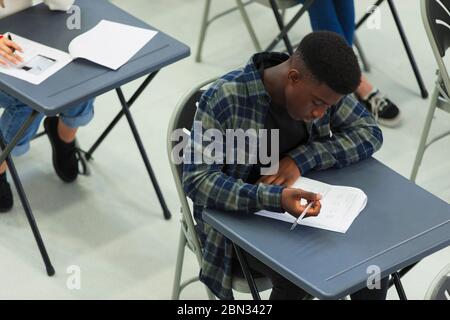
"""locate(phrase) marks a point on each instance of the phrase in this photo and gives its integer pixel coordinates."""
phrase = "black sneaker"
(384, 110)
(65, 155)
(6, 197)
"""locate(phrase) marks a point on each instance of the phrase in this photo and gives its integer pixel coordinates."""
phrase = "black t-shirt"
(292, 133)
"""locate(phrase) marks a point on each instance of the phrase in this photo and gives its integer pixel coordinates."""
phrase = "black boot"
(6, 197)
(65, 155)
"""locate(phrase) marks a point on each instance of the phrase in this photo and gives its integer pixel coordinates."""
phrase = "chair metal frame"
(440, 98)
(440, 287)
(188, 235)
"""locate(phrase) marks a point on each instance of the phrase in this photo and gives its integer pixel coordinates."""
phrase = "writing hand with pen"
(8, 50)
(288, 173)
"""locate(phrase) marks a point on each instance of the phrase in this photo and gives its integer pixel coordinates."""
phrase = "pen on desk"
(302, 215)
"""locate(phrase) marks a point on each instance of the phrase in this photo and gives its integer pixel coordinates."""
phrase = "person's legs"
(61, 132)
(66, 133)
(345, 11)
(76, 117)
(322, 16)
(13, 118)
(282, 289)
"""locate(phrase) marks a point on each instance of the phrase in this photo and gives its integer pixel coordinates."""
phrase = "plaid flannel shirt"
(346, 134)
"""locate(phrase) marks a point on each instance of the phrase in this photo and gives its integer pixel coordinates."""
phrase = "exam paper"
(110, 44)
(40, 61)
(340, 206)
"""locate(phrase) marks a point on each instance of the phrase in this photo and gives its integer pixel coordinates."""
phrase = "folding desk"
(401, 224)
(81, 79)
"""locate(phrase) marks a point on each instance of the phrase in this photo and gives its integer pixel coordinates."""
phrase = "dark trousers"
(283, 289)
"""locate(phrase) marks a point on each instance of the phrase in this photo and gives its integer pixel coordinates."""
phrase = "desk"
(401, 224)
(82, 79)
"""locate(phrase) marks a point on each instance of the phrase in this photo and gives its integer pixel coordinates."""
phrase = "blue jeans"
(334, 15)
(16, 113)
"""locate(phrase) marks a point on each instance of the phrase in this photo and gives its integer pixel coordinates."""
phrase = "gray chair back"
(440, 287)
(183, 117)
(436, 20)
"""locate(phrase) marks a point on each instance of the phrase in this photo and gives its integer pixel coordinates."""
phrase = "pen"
(302, 215)
(10, 39)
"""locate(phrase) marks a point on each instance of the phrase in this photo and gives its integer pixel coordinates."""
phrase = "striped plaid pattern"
(346, 134)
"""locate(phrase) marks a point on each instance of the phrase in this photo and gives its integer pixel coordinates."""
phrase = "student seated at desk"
(60, 130)
(305, 96)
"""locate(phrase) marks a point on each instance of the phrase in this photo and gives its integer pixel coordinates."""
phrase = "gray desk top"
(82, 79)
(401, 224)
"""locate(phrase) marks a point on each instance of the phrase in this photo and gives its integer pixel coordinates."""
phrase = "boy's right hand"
(7, 54)
(291, 202)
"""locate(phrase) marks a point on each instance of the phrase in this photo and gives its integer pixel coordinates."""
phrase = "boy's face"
(306, 99)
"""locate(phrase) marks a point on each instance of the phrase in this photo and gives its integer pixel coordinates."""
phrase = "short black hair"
(331, 60)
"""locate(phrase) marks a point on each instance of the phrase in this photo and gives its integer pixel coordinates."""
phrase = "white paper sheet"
(40, 62)
(110, 44)
(340, 206)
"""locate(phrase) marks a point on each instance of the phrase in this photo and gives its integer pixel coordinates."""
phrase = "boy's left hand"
(287, 174)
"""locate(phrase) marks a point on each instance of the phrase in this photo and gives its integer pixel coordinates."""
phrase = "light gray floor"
(110, 224)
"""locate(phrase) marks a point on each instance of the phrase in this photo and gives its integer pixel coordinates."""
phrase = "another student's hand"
(291, 202)
(7, 54)
(287, 174)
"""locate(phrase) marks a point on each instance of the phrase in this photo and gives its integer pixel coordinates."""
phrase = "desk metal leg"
(411, 58)
(396, 280)
(280, 23)
(140, 145)
(362, 55)
(22, 195)
(247, 274)
(126, 105)
(119, 116)
(399, 286)
(286, 28)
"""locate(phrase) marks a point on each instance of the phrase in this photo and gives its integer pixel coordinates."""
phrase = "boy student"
(60, 130)
(307, 97)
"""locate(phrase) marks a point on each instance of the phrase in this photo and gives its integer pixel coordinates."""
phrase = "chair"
(440, 287)
(278, 6)
(436, 19)
(240, 6)
(183, 117)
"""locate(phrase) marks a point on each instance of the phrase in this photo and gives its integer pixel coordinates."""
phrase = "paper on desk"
(340, 206)
(110, 44)
(40, 61)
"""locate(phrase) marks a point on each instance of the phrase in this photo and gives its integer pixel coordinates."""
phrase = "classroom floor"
(110, 224)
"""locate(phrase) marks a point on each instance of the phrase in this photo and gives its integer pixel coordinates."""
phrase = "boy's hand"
(287, 174)
(7, 54)
(2, 4)
(290, 201)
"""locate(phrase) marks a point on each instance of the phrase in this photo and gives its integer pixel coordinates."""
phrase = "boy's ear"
(294, 75)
